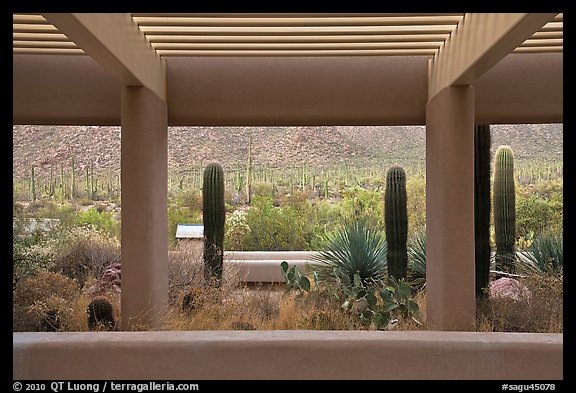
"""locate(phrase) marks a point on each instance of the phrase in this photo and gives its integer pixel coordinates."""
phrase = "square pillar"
(144, 166)
(450, 272)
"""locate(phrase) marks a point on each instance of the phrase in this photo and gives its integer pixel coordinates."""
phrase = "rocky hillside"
(275, 146)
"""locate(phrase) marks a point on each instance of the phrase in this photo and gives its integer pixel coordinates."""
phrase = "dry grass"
(46, 296)
(543, 313)
(267, 307)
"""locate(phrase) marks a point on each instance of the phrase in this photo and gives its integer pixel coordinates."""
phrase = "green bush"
(536, 214)
(192, 199)
(361, 204)
(416, 205)
(324, 216)
(260, 188)
(236, 230)
(273, 228)
(31, 254)
(101, 220)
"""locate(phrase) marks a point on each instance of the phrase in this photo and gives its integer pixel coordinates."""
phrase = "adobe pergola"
(148, 71)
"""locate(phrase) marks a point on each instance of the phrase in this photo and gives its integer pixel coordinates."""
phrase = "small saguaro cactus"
(101, 314)
(396, 222)
(504, 209)
(33, 185)
(482, 207)
(214, 218)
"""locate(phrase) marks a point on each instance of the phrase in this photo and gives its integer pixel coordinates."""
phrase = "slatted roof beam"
(479, 42)
(116, 43)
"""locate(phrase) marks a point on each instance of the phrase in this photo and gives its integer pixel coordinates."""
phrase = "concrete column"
(450, 297)
(144, 163)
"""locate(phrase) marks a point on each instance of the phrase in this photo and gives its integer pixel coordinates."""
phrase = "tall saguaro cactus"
(396, 222)
(482, 207)
(249, 172)
(214, 218)
(504, 209)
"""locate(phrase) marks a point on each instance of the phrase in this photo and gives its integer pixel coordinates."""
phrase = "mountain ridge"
(42, 146)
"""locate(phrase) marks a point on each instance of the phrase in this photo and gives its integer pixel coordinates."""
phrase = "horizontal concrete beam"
(273, 355)
(75, 90)
(116, 42)
(479, 42)
(522, 89)
(63, 90)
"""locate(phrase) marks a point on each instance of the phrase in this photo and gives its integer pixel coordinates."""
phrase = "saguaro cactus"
(33, 185)
(396, 222)
(504, 209)
(482, 207)
(73, 182)
(214, 218)
(249, 172)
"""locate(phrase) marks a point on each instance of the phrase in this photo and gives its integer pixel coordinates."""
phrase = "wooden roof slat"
(297, 46)
(29, 19)
(542, 43)
(314, 30)
(48, 51)
(295, 39)
(368, 52)
(298, 21)
(39, 37)
(281, 34)
(44, 44)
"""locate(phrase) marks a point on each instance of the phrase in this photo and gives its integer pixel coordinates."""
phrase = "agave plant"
(545, 255)
(417, 260)
(357, 248)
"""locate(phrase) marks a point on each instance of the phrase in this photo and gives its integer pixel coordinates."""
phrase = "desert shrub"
(542, 313)
(260, 188)
(276, 228)
(20, 191)
(416, 204)
(40, 300)
(31, 254)
(43, 208)
(101, 220)
(85, 252)
(534, 214)
(192, 199)
(236, 229)
(361, 204)
(185, 269)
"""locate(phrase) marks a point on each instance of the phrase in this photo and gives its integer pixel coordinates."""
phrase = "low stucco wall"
(264, 266)
(202, 355)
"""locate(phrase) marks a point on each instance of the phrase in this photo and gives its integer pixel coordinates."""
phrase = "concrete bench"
(264, 266)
